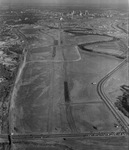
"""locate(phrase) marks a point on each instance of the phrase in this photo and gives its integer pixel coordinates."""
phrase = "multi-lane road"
(105, 98)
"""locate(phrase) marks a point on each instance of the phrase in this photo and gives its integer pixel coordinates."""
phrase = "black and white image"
(64, 74)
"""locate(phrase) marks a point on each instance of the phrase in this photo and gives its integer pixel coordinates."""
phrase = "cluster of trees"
(122, 102)
(16, 48)
(5, 71)
(29, 18)
(4, 86)
(5, 32)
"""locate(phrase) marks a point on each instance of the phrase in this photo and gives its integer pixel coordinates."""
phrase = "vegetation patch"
(122, 102)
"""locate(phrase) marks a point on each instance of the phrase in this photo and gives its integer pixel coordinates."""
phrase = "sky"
(70, 1)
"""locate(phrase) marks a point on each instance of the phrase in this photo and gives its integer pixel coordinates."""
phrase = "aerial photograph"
(64, 74)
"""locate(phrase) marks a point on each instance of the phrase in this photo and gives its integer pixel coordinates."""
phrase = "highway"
(104, 97)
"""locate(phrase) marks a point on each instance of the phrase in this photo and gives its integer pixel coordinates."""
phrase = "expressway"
(105, 98)
(107, 101)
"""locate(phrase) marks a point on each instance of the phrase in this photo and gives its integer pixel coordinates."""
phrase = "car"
(94, 83)
(116, 126)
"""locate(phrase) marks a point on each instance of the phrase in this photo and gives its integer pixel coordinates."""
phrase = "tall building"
(80, 14)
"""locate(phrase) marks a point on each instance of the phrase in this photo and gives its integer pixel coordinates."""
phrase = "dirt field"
(91, 68)
(112, 143)
(112, 85)
(109, 48)
(92, 117)
(40, 97)
(91, 38)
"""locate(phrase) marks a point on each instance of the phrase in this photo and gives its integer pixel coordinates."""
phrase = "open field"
(40, 93)
(30, 30)
(92, 117)
(83, 73)
(109, 48)
(91, 39)
(112, 85)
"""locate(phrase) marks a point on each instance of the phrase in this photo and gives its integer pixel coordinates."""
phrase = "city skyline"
(68, 1)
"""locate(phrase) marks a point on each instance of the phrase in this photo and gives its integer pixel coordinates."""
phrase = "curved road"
(107, 101)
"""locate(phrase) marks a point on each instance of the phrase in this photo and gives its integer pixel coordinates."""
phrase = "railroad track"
(108, 102)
